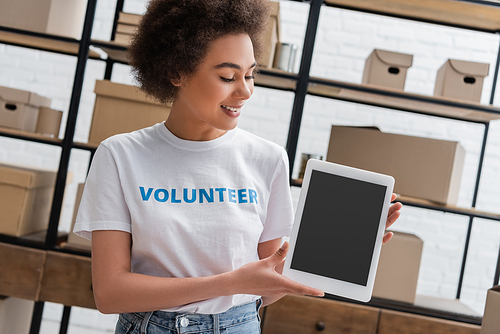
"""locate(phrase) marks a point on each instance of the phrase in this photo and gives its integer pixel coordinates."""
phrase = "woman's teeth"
(230, 108)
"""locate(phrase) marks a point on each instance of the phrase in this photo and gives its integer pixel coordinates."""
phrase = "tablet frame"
(327, 284)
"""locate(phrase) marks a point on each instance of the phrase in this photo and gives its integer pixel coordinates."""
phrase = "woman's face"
(209, 102)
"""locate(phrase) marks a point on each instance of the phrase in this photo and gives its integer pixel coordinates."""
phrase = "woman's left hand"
(392, 216)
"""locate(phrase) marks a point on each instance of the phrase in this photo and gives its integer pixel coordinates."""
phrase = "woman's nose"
(244, 89)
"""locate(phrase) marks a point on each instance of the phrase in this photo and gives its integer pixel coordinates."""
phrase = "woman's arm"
(117, 290)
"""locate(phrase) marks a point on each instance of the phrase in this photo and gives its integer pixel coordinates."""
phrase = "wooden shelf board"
(86, 146)
(21, 272)
(447, 12)
(29, 135)
(448, 208)
(115, 51)
(42, 43)
(67, 280)
(432, 205)
(270, 78)
(405, 102)
(446, 305)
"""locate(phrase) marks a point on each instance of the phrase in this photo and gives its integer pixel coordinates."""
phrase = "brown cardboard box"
(48, 122)
(461, 80)
(398, 267)
(122, 108)
(129, 18)
(13, 315)
(387, 69)
(56, 17)
(271, 37)
(126, 28)
(73, 239)
(491, 320)
(123, 39)
(19, 108)
(424, 168)
(25, 199)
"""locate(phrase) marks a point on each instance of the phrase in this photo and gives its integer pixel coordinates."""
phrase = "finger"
(393, 197)
(280, 254)
(395, 207)
(304, 290)
(387, 237)
(392, 218)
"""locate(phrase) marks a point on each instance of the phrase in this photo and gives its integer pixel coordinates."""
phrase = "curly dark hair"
(174, 35)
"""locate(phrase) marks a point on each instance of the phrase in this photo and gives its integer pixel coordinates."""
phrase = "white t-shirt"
(193, 208)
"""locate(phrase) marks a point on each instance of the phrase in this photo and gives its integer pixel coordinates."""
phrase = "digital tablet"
(338, 229)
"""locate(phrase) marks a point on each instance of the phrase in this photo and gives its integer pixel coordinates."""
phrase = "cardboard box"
(271, 37)
(387, 69)
(126, 28)
(398, 268)
(123, 39)
(56, 17)
(129, 18)
(73, 239)
(461, 80)
(25, 199)
(15, 314)
(19, 108)
(424, 168)
(48, 122)
(122, 108)
(491, 320)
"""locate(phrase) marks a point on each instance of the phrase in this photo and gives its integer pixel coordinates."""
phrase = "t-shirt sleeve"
(279, 217)
(103, 205)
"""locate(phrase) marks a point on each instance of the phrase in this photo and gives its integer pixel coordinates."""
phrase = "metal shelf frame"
(302, 80)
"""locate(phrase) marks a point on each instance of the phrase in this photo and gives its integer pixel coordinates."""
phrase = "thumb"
(280, 254)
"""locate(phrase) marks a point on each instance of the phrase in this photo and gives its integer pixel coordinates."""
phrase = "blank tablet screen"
(338, 228)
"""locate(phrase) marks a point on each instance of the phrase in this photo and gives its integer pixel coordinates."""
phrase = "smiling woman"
(186, 217)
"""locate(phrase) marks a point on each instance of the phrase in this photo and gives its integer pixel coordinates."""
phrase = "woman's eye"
(227, 79)
(250, 77)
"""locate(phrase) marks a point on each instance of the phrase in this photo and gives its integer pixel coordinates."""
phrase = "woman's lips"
(231, 111)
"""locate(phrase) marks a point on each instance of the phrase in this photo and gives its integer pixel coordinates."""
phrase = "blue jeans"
(243, 319)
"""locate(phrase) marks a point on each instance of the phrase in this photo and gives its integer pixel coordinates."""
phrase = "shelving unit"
(479, 15)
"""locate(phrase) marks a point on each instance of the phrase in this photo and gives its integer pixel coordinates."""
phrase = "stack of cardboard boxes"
(27, 111)
(126, 27)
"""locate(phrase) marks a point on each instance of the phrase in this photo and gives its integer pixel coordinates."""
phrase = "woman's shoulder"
(129, 140)
(259, 144)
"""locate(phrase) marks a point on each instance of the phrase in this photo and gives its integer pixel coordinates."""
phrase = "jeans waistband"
(196, 321)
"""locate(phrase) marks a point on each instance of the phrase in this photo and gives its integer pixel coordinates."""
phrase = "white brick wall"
(344, 40)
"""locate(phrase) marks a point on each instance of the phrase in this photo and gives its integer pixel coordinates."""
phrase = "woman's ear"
(176, 82)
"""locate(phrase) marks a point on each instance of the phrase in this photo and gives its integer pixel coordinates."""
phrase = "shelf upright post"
(83, 53)
(303, 81)
(476, 188)
(110, 62)
(495, 75)
(474, 200)
(65, 320)
(496, 280)
(36, 318)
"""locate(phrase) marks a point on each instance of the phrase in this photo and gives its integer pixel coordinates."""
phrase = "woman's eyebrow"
(232, 65)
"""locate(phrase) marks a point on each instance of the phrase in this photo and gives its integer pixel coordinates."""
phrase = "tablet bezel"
(327, 284)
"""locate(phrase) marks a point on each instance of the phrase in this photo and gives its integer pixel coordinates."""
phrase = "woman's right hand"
(261, 278)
